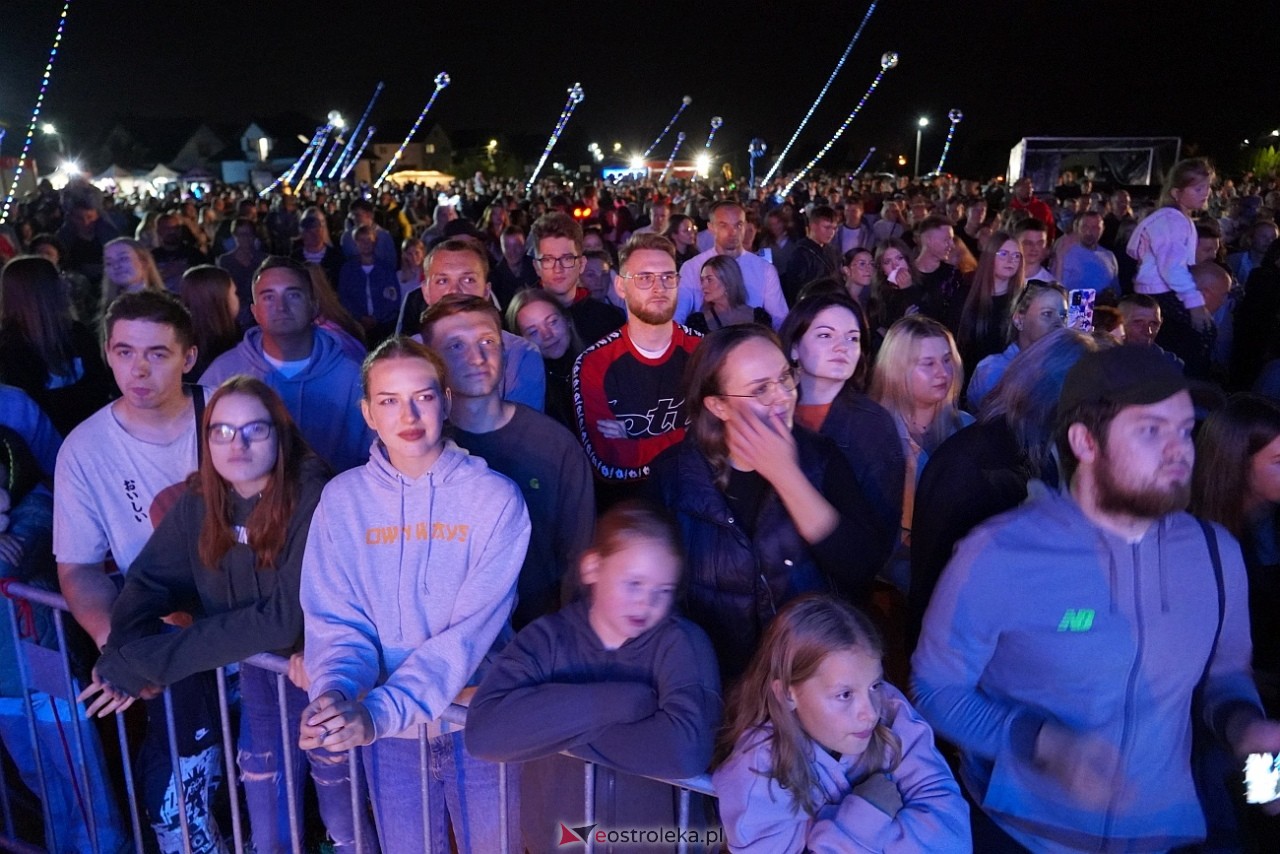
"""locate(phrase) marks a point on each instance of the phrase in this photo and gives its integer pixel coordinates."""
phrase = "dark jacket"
(738, 580)
(809, 261)
(240, 610)
(864, 432)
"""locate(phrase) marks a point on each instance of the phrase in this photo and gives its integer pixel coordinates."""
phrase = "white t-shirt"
(104, 485)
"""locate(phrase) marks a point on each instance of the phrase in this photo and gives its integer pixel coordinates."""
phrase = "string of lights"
(287, 177)
(315, 155)
(351, 164)
(955, 117)
(887, 61)
(35, 114)
(575, 98)
(355, 133)
(716, 124)
(441, 80)
(684, 102)
(863, 164)
(680, 138)
(823, 93)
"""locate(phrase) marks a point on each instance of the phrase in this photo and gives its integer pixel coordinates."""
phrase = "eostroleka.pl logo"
(639, 835)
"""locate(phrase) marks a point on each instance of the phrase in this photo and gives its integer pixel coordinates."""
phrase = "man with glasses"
(727, 225)
(628, 387)
(306, 365)
(558, 256)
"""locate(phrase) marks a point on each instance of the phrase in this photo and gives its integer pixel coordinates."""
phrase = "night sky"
(1016, 68)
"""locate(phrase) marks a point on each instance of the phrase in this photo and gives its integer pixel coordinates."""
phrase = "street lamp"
(921, 124)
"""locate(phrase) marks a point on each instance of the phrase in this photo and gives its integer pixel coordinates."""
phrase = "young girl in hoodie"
(409, 579)
(821, 754)
(616, 679)
(231, 550)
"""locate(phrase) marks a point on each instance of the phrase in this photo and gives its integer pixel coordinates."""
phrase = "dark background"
(1204, 71)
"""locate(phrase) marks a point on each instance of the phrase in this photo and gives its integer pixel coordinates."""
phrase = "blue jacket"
(1042, 616)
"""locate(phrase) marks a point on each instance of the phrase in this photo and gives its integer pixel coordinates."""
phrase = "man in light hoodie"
(319, 383)
(1066, 638)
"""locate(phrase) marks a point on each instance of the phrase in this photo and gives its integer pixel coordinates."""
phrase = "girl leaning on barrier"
(230, 550)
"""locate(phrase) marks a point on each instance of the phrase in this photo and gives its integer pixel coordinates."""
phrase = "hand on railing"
(111, 699)
(336, 724)
(298, 673)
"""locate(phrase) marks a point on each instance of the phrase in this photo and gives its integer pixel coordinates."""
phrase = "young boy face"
(631, 590)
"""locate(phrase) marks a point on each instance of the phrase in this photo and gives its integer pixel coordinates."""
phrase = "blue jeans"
(462, 791)
(262, 745)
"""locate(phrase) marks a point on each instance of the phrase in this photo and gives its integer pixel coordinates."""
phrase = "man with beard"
(628, 386)
(1066, 638)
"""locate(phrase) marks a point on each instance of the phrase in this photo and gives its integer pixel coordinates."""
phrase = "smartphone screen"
(1080, 309)
(1261, 778)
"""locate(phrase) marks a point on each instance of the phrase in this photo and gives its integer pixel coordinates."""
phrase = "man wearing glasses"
(628, 387)
(557, 246)
(727, 225)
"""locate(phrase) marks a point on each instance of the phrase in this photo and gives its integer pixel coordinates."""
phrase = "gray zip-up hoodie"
(406, 583)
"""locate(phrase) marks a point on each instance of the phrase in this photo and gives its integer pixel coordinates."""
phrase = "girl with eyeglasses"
(231, 550)
(767, 510)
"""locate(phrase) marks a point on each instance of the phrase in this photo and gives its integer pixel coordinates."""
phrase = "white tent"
(427, 177)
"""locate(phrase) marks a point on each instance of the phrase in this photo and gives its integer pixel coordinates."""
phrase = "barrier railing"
(47, 673)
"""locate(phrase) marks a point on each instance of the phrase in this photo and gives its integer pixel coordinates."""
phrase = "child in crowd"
(616, 679)
(821, 754)
(409, 578)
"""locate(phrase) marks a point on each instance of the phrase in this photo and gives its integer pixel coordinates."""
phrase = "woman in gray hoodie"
(409, 578)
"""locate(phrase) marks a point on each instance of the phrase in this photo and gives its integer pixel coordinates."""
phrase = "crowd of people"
(674, 479)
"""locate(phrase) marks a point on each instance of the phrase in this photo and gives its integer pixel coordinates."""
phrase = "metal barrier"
(44, 671)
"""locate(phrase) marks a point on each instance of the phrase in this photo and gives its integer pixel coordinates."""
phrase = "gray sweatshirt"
(406, 583)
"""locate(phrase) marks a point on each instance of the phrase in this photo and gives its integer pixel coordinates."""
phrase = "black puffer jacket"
(864, 432)
(737, 582)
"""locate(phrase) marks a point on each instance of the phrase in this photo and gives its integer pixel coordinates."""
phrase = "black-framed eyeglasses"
(646, 281)
(767, 389)
(564, 262)
(254, 431)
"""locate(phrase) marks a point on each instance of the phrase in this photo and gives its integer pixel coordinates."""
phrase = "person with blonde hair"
(821, 754)
(917, 377)
(127, 266)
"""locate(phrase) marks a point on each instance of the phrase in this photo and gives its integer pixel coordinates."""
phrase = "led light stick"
(441, 80)
(680, 137)
(823, 93)
(955, 117)
(351, 164)
(887, 61)
(716, 124)
(35, 114)
(287, 177)
(575, 98)
(863, 164)
(756, 149)
(324, 164)
(315, 157)
(684, 102)
(355, 132)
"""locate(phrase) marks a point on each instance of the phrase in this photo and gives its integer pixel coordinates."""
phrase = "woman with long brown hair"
(231, 550)
(767, 511)
(209, 293)
(990, 295)
(43, 350)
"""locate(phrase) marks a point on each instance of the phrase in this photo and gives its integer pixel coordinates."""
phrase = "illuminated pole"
(680, 137)
(888, 61)
(35, 114)
(441, 80)
(863, 164)
(955, 116)
(756, 150)
(716, 124)
(355, 133)
(684, 102)
(575, 98)
(315, 156)
(351, 164)
(822, 94)
(921, 124)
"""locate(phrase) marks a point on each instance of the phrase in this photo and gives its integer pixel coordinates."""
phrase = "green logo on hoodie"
(1076, 620)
